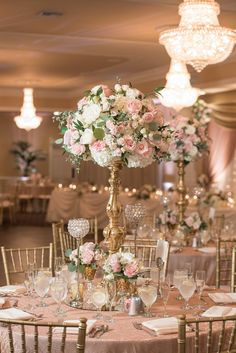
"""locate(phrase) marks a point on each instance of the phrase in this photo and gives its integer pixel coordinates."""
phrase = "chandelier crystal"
(199, 40)
(28, 119)
(178, 92)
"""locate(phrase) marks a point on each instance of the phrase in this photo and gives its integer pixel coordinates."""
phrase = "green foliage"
(98, 133)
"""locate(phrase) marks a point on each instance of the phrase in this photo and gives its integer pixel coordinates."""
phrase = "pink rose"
(120, 128)
(147, 118)
(114, 263)
(112, 127)
(87, 257)
(189, 221)
(106, 90)
(142, 148)
(67, 139)
(127, 142)
(77, 149)
(188, 146)
(98, 146)
(158, 116)
(88, 246)
(131, 269)
(134, 106)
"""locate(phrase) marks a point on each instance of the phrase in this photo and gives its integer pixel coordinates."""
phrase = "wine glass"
(165, 293)
(99, 298)
(59, 292)
(112, 293)
(200, 283)
(148, 294)
(187, 288)
(58, 263)
(178, 277)
(188, 267)
(41, 286)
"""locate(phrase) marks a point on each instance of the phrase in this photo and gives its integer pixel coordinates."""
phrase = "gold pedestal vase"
(114, 233)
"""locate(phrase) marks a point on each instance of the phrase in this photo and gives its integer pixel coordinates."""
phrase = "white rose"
(95, 89)
(193, 152)
(91, 113)
(132, 92)
(118, 88)
(105, 104)
(87, 137)
(190, 130)
(125, 87)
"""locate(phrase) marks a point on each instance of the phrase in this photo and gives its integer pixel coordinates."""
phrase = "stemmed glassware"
(112, 293)
(187, 288)
(165, 293)
(58, 263)
(200, 283)
(99, 298)
(148, 294)
(41, 286)
(59, 292)
(178, 277)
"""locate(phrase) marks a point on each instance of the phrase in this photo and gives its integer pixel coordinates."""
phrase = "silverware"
(104, 330)
(139, 326)
(95, 330)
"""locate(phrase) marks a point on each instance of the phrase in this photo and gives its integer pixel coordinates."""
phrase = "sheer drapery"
(224, 114)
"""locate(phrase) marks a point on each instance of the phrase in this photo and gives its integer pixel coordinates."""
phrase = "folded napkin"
(74, 330)
(12, 289)
(208, 250)
(4, 303)
(224, 298)
(15, 314)
(219, 311)
(162, 326)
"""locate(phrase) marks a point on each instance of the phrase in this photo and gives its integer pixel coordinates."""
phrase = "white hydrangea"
(190, 130)
(90, 114)
(126, 257)
(87, 137)
(136, 161)
(102, 158)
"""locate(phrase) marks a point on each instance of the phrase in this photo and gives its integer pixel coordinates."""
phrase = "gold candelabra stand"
(113, 232)
(181, 203)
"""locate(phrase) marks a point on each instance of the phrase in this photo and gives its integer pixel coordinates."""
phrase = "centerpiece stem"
(181, 203)
(113, 232)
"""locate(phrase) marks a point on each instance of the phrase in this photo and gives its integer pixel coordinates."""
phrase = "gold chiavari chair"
(148, 254)
(233, 271)
(67, 242)
(15, 261)
(56, 229)
(219, 334)
(30, 336)
(93, 225)
(224, 261)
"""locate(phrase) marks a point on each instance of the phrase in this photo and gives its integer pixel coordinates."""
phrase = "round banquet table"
(199, 261)
(122, 337)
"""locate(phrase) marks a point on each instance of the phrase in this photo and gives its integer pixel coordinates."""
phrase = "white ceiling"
(93, 41)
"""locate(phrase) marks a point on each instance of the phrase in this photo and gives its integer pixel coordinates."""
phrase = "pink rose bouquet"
(121, 265)
(111, 124)
(88, 254)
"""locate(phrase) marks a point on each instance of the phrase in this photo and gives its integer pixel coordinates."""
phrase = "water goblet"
(178, 277)
(148, 294)
(200, 283)
(58, 263)
(41, 286)
(99, 298)
(187, 288)
(59, 292)
(112, 294)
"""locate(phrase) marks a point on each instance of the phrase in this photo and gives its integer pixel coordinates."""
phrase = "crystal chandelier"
(28, 119)
(178, 92)
(199, 40)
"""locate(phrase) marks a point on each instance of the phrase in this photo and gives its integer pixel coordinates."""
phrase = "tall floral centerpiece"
(188, 142)
(114, 128)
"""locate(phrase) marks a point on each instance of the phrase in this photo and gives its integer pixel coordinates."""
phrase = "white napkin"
(219, 311)
(74, 330)
(162, 326)
(225, 298)
(12, 289)
(15, 314)
(208, 250)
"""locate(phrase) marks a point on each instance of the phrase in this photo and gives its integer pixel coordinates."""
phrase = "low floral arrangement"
(189, 139)
(121, 265)
(168, 217)
(193, 223)
(88, 255)
(212, 198)
(114, 124)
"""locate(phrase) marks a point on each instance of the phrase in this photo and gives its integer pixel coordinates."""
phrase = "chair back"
(93, 228)
(233, 271)
(224, 261)
(219, 335)
(38, 337)
(56, 228)
(15, 261)
(67, 242)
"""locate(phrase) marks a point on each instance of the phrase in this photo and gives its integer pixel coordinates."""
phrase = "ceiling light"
(28, 119)
(178, 92)
(199, 40)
